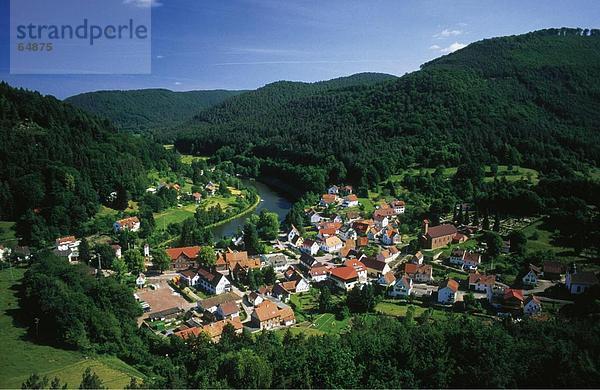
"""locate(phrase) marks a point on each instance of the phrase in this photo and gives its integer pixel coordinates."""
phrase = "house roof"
(211, 277)
(266, 310)
(351, 198)
(397, 203)
(344, 273)
(189, 332)
(328, 232)
(308, 243)
(164, 313)
(332, 241)
(451, 284)
(191, 252)
(553, 267)
(362, 241)
(66, 239)
(533, 298)
(472, 257)
(441, 231)
(410, 268)
(215, 329)
(356, 264)
(488, 280)
(189, 273)
(374, 264)
(424, 269)
(219, 300)
(229, 308)
(327, 198)
(129, 222)
(307, 259)
(584, 277)
(389, 278)
(318, 271)
(405, 280)
(510, 293)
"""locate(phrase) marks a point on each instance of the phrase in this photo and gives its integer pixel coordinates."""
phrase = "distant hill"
(148, 109)
(530, 100)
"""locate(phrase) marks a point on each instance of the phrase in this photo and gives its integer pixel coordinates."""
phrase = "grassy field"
(540, 238)
(7, 235)
(399, 309)
(517, 173)
(20, 357)
(174, 215)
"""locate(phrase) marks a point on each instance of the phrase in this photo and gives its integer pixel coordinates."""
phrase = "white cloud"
(177, 83)
(434, 47)
(160, 57)
(445, 33)
(453, 47)
(143, 3)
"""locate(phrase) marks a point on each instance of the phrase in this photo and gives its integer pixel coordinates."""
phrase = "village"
(342, 248)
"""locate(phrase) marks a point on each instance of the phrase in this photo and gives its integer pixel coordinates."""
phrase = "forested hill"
(530, 100)
(148, 109)
(57, 163)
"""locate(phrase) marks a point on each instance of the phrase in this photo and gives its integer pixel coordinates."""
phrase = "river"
(270, 200)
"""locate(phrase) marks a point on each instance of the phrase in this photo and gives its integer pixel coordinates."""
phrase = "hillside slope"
(530, 99)
(57, 163)
(147, 109)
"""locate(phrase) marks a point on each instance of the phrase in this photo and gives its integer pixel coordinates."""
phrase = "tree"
(160, 259)
(518, 242)
(121, 201)
(134, 260)
(90, 380)
(251, 240)
(120, 267)
(325, 304)
(496, 223)
(494, 244)
(105, 254)
(268, 225)
(486, 222)
(269, 275)
(207, 256)
(84, 251)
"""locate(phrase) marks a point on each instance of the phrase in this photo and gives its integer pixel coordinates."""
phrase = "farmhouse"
(350, 201)
(331, 244)
(532, 306)
(344, 277)
(310, 246)
(579, 281)
(479, 282)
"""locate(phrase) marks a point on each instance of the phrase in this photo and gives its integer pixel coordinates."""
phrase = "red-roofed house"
(184, 257)
(447, 291)
(344, 277)
(479, 282)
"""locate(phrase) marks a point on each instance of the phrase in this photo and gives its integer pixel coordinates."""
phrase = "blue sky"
(244, 44)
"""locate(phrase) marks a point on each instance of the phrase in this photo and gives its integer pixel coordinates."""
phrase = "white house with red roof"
(344, 277)
(447, 293)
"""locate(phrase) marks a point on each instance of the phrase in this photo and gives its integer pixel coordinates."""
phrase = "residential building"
(530, 275)
(183, 257)
(532, 306)
(579, 281)
(402, 288)
(448, 291)
(212, 303)
(132, 224)
(417, 258)
(228, 310)
(375, 267)
(331, 244)
(213, 282)
(552, 270)
(310, 246)
(361, 269)
(419, 273)
(328, 199)
(267, 315)
(481, 283)
(344, 277)
(318, 273)
(65, 243)
(387, 280)
(399, 206)
(513, 300)
(350, 201)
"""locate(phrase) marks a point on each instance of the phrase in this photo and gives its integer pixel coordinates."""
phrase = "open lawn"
(189, 159)
(540, 238)
(517, 173)
(7, 235)
(399, 309)
(20, 357)
(327, 323)
(174, 215)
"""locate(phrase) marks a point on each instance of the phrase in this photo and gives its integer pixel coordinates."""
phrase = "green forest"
(147, 110)
(527, 100)
(98, 315)
(59, 163)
